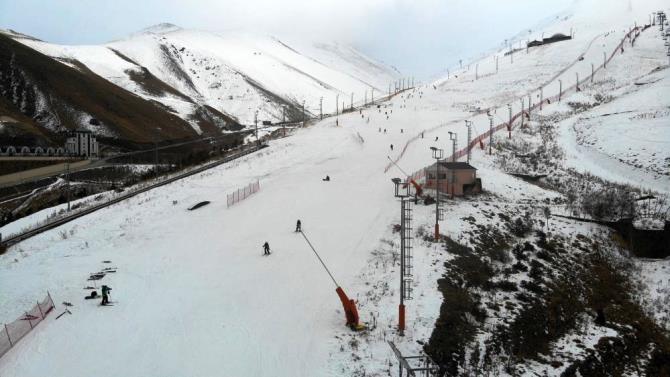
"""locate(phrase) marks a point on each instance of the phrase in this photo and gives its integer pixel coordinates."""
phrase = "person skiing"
(298, 226)
(391, 146)
(105, 295)
(266, 248)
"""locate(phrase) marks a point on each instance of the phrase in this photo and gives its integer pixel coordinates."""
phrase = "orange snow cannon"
(349, 306)
(350, 310)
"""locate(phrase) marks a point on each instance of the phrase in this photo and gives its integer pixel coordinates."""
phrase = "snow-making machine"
(349, 305)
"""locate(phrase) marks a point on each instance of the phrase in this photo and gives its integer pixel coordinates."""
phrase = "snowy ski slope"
(193, 295)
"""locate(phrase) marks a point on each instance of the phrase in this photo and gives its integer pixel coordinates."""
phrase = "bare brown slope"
(23, 130)
(56, 95)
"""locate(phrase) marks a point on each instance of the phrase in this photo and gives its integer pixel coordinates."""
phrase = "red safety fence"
(12, 332)
(243, 193)
(480, 139)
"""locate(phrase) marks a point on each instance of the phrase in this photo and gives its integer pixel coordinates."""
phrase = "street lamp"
(438, 154)
(468, 124)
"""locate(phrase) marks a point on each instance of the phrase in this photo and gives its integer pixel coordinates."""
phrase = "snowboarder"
(266, 248)
(105, 295)
(436, 138)
(327, 179)
(391, 146)
(298, 226)
(422, 134)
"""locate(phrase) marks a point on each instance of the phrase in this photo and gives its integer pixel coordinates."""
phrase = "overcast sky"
(419, 37)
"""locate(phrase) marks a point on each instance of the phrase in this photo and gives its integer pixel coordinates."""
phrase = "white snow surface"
(193, 295)
(233, 71)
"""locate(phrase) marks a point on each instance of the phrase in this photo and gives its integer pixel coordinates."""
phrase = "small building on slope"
(455, 178)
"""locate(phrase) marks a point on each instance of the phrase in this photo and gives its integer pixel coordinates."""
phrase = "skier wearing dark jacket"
(298, 226)
(105, 295)
(266, 248)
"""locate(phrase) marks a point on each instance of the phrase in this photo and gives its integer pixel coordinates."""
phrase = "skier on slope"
(105, 295)
(298, 226)
(266, 248)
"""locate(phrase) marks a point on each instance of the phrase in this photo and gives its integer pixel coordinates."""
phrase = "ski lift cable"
(319, 257)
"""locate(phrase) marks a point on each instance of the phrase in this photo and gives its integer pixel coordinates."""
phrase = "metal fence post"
(28, 318)
(40, 308)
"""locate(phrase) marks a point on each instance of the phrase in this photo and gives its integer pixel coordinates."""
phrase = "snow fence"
(14, 331)
(243, 193)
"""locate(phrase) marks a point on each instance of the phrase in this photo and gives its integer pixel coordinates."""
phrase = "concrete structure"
(81, 143)
(456, 178)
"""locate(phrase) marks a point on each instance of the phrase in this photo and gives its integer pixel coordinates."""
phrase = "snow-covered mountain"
(235, 73)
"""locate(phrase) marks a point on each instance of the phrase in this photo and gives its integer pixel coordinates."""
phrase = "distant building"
(457, 178)
(81, 143)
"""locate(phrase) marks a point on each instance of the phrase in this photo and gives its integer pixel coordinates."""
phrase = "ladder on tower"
(408, 268)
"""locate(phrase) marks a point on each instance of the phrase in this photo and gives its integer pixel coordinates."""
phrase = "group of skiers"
(266, 245)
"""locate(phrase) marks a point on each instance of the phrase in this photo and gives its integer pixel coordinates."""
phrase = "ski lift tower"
(438, 154)
(402, 192)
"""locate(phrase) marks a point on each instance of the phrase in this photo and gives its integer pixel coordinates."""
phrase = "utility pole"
(283, 114)
(366, 97)
(477, 71)
(509, 125)
(560, 89)
(541, 97)
(530, 101)
(372, 96)
(496, 63)
(490, 132)
(453, 136)
(351, 105)
(604, 59)
(438, 154)
(256, 126)
(321, 108)
(522, 104)
(67, 178)
(337, 103)
(468, 124)
(303, 113)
